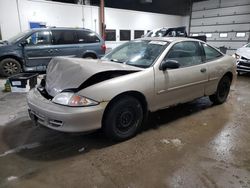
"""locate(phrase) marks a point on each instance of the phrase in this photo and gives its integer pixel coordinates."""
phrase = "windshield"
(139, 53)
(18, 37)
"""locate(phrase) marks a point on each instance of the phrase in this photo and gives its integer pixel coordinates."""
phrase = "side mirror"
(169, 64)
(24, 43)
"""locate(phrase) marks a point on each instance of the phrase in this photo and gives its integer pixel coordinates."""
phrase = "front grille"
(37, 117)
(244, 64)
(40, 119)
(243, 58)
(55, 123)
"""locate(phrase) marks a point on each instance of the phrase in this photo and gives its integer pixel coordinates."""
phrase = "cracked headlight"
(72, 99)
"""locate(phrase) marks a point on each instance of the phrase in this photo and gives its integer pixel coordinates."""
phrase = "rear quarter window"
(87, 37)
(211, 53)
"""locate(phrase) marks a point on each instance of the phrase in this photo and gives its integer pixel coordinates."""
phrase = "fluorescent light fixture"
(223, 35)
(240, 34)
(209, 35)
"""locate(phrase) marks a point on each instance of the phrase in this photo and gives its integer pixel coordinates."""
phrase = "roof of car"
(171, 39)
(59, 28)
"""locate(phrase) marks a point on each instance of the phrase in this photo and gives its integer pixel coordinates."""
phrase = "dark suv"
(32, 50)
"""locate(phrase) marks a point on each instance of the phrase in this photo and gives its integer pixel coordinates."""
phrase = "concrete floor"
(190, 145)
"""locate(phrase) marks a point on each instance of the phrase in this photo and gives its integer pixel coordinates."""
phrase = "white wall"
(53, 14)
(72, 15)
(9, 18)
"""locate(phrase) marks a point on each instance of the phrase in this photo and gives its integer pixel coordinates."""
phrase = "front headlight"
(72, 99)
(236, 56)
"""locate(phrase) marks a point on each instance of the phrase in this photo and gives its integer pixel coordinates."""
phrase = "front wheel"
(9, 67)
(222, 91)
(123, 118)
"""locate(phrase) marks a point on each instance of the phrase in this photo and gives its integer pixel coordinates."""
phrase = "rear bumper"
(64, 118)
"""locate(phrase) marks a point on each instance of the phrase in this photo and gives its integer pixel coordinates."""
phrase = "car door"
(64, 43)
(185, 83)
(37, 50)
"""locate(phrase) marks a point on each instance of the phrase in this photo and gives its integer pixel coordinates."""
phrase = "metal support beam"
(102, 19)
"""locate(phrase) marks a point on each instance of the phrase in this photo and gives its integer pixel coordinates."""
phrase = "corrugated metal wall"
(225, 22)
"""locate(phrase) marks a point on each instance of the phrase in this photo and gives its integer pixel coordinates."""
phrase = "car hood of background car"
(244, 51)
(72, 73)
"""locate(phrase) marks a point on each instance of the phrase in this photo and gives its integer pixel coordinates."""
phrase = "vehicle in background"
(32, 50)
(168, 32)
(116, 92)
(242, 56)
(173, 32)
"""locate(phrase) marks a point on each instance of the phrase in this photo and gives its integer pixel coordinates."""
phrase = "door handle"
(50, 51)
(203, 70)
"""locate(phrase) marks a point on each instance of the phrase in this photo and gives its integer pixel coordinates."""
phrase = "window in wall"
(187, 53)
(223, 35)
(39, 38)
(138, 34)
(110, 35)
(240, 34)
(210, 53)
(125, 35)
(87, 37)
(209, 35)
(63, 37)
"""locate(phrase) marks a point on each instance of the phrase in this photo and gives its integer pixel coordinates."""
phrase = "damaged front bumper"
(63, 118)
(243, 65)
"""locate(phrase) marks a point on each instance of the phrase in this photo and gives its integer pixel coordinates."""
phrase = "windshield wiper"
(117, 61)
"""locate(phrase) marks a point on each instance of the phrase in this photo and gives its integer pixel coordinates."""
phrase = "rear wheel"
(222, 91)
(9, 66)
(123, 118)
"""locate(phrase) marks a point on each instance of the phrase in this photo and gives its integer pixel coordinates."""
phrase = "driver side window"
(39, 38)
(187, 53)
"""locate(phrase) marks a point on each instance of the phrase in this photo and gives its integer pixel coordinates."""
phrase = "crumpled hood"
(68, 73)
(244, 51)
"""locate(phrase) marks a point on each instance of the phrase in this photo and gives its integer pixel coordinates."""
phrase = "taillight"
(103, 47)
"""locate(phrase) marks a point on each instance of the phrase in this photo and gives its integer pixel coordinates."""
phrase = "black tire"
(123, 118)
(222, 91)
(9, 67)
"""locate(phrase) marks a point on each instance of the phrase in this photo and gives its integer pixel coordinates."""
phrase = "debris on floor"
(176, 142)
(81, 149)
(205, 124)
(12, 178)
(165, 141)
